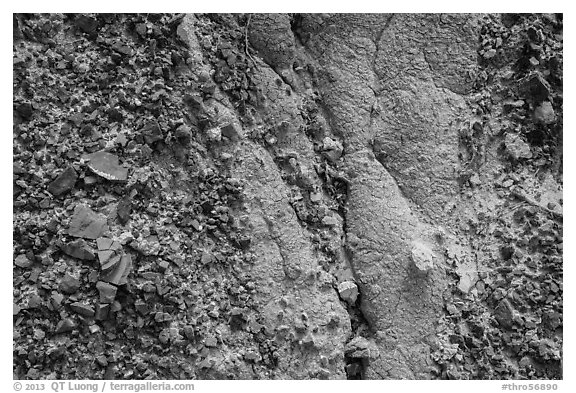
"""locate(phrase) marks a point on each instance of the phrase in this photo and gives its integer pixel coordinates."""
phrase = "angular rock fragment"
(422, 256)
(102, 311)
(152, 132)
(504, 313)
(22, 261)
(69, 284)
(123, 210)
(348, 291)
(106, 165)
(79, 249)
(65, 325)
(87, 24)
(535, 86)
(107, 292)
(86, 223)
(516, 147)
(118, 274)
(64, 182)
(360, 348)
(82, 309)
(544, 113)
(231, 132)
(331, 149)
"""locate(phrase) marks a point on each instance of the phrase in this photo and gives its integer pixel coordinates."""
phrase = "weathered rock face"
(322, 196)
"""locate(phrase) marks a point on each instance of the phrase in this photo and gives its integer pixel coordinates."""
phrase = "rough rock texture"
(299, 196)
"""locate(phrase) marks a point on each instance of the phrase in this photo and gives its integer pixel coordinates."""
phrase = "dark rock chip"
(87, 24)
(79, 249)
(22, 261)
(65, 325)
(123, 210)
(504, 313)
(141, 307)
(86, 223)
(102, 312)
(25, 110)
(152, 132)
(107, 165)
(64, 182)
(123, 49)
(231, 132)
(83, 309)
(69, 284)
(107, 292)
(535, 86)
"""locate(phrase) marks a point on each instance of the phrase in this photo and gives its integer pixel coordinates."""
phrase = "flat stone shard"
(118, 273)
(107, 165)
(348, 291)
(86, 223)
(64, 182)
(107, 292)
(79, 249)
(422, 256)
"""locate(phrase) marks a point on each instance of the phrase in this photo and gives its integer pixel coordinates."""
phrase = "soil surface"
(287, 196)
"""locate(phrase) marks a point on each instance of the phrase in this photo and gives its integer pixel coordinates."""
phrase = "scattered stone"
(87, 24)
(152, 132)
(69, 284)
(15, 309)
(214, 134)
(64, 182)
(106, 165)
(22, 261)
(83, 309)
(330, 221)
(490, 53)
(210, 342)
(504, 313)
(141, 307)
(360, 348)
(516, 147)
(535, 87)
(252, 356)
(348, 291)
(183, 133)
(25, 110)
(422, 256)
(118, 275)
(79, 249)
(101, 360)
(123, 49)
(107, 292)
(331, 149)
(104, 243)
(467, 281)
(123, 210)
(544, 113)
(65, 325)
(86, 223)
(102, 312)
(231, 132)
